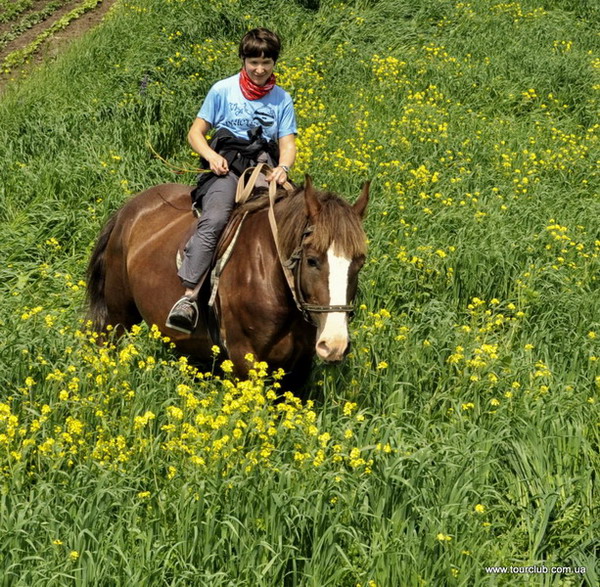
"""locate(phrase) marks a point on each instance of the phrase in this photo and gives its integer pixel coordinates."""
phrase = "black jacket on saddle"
(240, 154)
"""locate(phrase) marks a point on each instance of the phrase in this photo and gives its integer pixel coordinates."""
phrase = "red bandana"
(250, 90)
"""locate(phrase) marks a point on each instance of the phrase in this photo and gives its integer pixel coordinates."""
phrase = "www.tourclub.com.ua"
(535, 570)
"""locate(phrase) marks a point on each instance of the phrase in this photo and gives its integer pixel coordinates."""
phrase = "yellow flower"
(183, 389)
(479, 508)
(73, 555)
(349, 407)
(141, 421)
(175, 412)
(382, 365)
(227, 366)
(443, 537)
(319, 459)
(324, 438)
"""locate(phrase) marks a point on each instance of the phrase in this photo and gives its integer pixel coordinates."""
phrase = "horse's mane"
(336, 222)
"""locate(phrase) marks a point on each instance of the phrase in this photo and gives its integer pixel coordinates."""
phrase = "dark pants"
(217, 205)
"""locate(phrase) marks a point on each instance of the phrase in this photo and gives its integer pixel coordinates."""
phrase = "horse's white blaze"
(332, 336)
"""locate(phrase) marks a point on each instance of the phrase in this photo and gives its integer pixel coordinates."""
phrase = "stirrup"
(180, 327)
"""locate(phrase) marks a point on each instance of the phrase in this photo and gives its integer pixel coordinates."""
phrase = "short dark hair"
(260, 42)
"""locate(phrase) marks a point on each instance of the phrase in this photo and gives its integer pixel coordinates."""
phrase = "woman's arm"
(287, 156)
(198, 142)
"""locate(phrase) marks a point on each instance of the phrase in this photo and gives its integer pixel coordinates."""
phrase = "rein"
(291, 267)
(174, 168)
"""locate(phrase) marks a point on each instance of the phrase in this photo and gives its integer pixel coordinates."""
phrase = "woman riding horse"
(255, 122)
(287, 289)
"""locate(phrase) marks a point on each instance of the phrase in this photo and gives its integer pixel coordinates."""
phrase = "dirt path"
(57, 42)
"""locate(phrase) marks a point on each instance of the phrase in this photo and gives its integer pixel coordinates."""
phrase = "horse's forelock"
(336, 223)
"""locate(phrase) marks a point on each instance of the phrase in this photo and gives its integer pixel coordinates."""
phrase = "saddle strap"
(215, 276)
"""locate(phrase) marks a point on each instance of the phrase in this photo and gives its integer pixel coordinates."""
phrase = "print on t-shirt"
(244, 116)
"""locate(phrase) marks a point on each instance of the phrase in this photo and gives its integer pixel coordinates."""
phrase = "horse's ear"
(313, 206)
(361, 204)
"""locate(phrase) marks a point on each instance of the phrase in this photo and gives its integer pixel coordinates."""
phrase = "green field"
(463, 430)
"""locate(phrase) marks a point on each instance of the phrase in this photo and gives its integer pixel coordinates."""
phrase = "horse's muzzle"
(332, 350)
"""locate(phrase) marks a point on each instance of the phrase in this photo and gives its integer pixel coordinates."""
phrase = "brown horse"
(282, 304)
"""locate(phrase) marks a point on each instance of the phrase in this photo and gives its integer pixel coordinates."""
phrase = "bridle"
(292, 267)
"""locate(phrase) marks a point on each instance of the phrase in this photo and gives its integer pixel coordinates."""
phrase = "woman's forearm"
(287, 150)
(197, 138)
(198, 142)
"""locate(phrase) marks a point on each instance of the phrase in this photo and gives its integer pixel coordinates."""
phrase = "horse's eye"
(312, 262)
(359, 261)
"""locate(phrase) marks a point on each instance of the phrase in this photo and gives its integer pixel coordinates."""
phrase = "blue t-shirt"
(226, 107)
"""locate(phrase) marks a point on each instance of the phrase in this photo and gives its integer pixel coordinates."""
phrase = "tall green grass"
(462, 431)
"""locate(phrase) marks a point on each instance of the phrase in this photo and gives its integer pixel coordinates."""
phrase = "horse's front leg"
(279, 344)
(244, 344)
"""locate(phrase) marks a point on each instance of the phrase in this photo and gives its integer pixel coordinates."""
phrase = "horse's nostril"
(323, 349)
(331, 352)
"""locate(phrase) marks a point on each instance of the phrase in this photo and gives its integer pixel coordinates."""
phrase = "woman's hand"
(279, 175)
(197, 139)
(218, 164)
